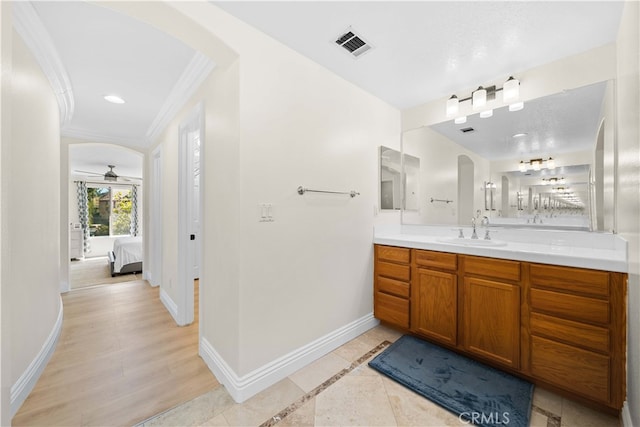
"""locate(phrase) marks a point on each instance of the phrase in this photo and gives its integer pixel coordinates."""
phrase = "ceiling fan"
(110, 175)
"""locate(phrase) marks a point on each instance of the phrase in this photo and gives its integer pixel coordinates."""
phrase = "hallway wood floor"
(120, 359)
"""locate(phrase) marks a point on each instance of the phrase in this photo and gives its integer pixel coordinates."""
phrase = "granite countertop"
(600, 251)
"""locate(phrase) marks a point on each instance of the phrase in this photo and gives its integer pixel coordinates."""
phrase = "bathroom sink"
(472, 242)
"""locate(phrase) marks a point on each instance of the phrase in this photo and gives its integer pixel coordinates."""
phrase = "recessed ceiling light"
(518, 135)
(114, 99)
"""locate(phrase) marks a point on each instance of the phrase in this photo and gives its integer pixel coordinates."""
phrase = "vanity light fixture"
(537, 164)
(481, 96)
(554, 180)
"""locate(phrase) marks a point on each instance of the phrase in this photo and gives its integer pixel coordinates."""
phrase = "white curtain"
(83, 213)
(134, 211)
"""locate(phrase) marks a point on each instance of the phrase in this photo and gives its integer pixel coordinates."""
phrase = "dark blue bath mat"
(477, 393)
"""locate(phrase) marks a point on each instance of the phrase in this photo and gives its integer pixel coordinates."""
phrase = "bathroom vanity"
(545, 305)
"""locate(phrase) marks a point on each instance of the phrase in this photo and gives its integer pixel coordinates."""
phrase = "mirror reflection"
(547, 165)
(398, 190)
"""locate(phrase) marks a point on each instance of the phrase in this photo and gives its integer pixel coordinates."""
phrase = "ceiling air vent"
(353, 43)
(467, 130)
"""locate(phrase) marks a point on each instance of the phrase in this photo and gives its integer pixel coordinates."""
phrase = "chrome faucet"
(473, 226)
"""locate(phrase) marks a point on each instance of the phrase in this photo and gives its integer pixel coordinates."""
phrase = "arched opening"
(466, 171)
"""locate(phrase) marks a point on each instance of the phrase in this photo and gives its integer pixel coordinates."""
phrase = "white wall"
(628, 197)
(276, 120)
(5, 135)
(30, 212)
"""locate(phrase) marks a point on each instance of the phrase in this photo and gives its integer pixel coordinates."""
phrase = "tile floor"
(341, 389)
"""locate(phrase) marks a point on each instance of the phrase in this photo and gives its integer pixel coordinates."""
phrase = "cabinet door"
(492, 320)
(434, 311)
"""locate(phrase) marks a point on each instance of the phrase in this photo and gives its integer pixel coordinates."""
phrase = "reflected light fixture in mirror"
(537, 164)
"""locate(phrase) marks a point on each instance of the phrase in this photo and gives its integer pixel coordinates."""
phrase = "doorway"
(191, 138)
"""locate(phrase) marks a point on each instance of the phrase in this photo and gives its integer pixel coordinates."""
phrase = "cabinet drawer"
(392, 309)
(581, 371)
(436, 259)
(571, 280)
(393, 287)
(582, 309)
(393, 254)
(394, 271)
(494, 268)
(569, 332)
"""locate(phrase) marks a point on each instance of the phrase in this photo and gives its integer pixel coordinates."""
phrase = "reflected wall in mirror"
(565, 142)
(398, 189)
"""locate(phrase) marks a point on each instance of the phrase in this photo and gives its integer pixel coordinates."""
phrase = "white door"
(194, 138)
(155, 240)
(189, 244)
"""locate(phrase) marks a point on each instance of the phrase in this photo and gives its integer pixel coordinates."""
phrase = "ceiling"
(425, 50)
(95, 158)
(422, 50)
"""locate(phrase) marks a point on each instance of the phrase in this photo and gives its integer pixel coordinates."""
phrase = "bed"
(126, 256)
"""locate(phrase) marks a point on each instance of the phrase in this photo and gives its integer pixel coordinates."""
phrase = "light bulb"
(535, 165)
(522, 166)
(511, 90)
(479, 98)
(452, 106)
(551, 164)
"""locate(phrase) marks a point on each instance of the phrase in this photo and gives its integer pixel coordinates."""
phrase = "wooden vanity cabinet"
(577, 331)
(563, 327)
(434, 296)
(392, 276)
(490, 309)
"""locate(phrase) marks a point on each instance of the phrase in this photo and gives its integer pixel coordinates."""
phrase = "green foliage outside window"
(109, 205)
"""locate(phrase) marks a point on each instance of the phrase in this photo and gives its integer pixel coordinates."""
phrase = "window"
(109, 211)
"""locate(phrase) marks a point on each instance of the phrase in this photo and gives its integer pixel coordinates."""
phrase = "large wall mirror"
(551, 164)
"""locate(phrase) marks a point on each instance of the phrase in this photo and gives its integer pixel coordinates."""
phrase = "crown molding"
(71, 132)
(193, 75)
(29, 26)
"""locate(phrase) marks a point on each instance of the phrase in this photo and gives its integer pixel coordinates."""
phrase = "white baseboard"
(169, 304)
(625, 416)
(23, 386)
(242, 388)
